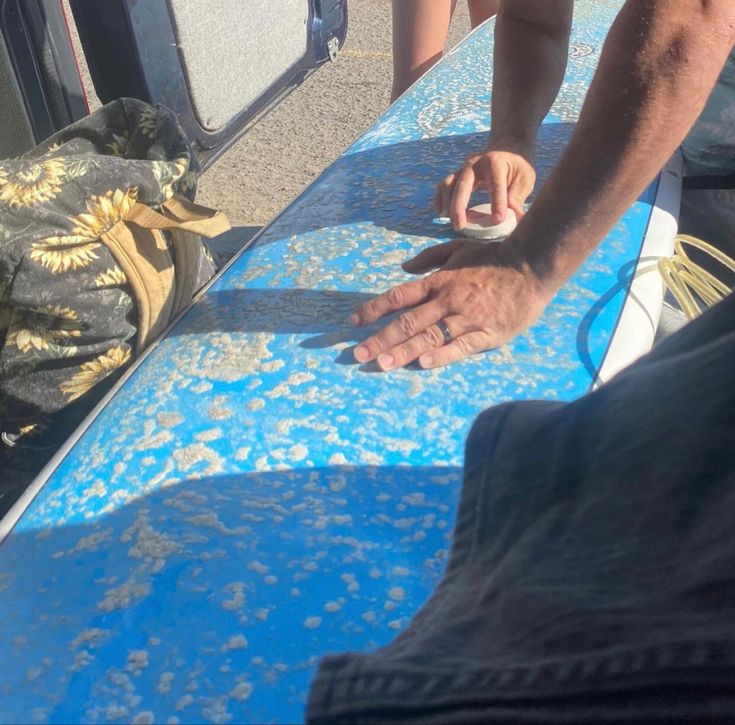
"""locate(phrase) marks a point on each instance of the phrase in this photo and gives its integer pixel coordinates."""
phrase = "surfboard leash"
(693, 287)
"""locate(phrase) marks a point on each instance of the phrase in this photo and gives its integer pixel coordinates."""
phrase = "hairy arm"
(531, 47)
(658, 66)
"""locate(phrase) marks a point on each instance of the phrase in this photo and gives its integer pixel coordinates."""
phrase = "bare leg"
(419, 32)
(481, 10)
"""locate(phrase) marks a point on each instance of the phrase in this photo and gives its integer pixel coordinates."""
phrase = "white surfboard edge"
(636, 328)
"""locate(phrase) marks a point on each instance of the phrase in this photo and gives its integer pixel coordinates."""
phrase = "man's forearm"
(531, 48)
(658, 66)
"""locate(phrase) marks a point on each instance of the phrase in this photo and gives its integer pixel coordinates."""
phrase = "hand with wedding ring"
(481, 296)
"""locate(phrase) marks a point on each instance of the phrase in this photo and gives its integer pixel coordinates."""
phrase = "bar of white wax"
(479, 225)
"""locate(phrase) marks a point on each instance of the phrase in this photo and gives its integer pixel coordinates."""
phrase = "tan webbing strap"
(186, 222)
(140, 249)
(181, 209)
(178, 213)
(147, 263)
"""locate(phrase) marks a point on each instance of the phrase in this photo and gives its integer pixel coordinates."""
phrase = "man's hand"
(509, 178)
(483, 295)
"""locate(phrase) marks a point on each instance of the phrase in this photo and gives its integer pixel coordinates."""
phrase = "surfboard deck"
(249, 499)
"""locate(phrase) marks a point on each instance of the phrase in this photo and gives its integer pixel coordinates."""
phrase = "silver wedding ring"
(445, 331)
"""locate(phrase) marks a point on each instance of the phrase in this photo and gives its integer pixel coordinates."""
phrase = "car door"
(40, 88)
(219, 64)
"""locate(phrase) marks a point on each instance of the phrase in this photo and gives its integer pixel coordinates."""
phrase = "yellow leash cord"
(688, 282)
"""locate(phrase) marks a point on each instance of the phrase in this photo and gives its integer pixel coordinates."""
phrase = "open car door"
(219, 64)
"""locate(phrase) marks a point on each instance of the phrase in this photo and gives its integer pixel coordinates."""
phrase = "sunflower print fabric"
(33, 182)
(67, 315)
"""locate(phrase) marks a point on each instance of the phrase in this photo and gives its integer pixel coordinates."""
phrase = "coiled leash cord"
(694, 288)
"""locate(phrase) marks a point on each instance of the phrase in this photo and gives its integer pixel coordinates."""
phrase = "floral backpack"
(100, 247)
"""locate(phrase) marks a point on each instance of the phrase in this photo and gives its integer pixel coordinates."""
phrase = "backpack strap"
(186, 222)
(180, 213)
(145, 258)
(140, 248)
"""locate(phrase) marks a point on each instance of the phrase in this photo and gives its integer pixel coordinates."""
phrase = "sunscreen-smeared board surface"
(251, 499)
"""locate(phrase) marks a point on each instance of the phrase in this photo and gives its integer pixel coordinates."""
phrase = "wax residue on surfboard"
(235, 478)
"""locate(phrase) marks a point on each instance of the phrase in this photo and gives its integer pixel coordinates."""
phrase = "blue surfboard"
(248, 498)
